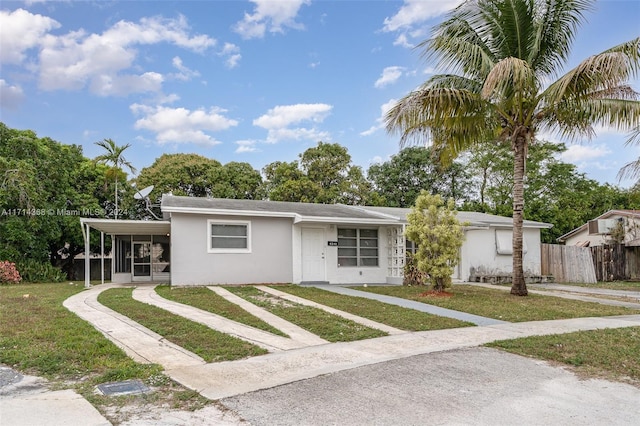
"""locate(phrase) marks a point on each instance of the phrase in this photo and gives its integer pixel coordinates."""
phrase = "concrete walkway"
(418, 306)
(565, 292)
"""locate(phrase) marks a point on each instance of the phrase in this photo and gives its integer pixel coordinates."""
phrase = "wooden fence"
(616, 262)
(568, 264)
(571, 264)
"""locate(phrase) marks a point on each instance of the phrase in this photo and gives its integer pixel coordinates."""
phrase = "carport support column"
(101, 257)
(87, 259)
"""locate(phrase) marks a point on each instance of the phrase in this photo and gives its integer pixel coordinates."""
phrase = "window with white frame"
(229, 236)
(357, 247)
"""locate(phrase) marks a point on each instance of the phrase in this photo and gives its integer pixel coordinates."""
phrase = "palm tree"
(503, 57)
(114, 156)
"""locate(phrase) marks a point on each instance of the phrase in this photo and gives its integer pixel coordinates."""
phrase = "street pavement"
(432, 377)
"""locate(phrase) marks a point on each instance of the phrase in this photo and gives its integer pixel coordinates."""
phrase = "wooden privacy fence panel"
(568, 264)
(610, 262)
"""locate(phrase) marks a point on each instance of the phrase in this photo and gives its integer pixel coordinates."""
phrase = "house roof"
(124, 227)
(627, 213)
(312, 212)
(473, 218)
(300, 212)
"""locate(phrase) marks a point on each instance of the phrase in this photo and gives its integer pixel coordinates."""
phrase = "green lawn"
(321, 323)
(611, 354)
(394, 316)
(210, 344)
(207, 300)
(38, 336)
(499, 304)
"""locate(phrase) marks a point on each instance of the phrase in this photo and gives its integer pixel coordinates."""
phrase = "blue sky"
(255, 81)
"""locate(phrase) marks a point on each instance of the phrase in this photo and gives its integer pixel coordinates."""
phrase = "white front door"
(313, 254)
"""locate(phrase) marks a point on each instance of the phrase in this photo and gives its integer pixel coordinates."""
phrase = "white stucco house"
(204, 241)
(598, 231)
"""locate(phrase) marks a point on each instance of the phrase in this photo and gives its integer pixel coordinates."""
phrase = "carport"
(140, 249)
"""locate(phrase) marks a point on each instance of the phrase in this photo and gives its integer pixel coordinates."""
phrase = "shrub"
(8, 273)
(36, 272)
(412, 275)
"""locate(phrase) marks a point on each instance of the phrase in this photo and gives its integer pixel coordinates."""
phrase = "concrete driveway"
(473, 386)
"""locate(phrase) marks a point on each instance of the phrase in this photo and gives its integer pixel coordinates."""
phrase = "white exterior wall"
(479, 252)
(341, 275)
(632, 227)
(582, 236)
(270, 260)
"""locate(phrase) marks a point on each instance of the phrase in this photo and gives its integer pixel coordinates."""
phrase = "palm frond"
(556, 24)
(609, 69)
(508, 76)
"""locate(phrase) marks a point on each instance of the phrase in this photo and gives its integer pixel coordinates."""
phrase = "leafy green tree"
(503, 56)
(197, 176)
(434, 227)
(414, 169)
(324, 174)
(44, 187)
(550, 187)
(114, 155)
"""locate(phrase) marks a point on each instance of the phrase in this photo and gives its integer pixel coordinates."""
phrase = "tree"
(434, 228)
(44, 186)
(551, 186)
(501, 54)
(324, 174)
(197, 176)
(114, 155)
(413, 169)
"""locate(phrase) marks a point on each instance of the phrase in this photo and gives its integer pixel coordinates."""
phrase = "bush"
(36, 272)
(8, 273)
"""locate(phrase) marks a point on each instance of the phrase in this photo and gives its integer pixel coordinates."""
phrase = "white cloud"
(20, 31)
(415, 12)
(123, 85)
(580, 153)
(389, 76)
(232, 54)
(284, 115)
(245, 146)
(402, 41)
(184, 74)
(77, 59)
(10, 96)
(180, 125)
(276, 15)
(279, 119)
(384, 108)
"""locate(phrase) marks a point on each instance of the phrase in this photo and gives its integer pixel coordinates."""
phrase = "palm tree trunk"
(115, 215)
(519, 287)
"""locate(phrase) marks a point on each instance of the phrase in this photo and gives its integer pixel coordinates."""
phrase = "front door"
(142, 261)
(313, 254)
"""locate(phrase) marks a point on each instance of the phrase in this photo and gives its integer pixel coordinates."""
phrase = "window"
(357, 247)
(229, 236)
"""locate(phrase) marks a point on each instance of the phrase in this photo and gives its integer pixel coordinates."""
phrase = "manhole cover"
(127, 387)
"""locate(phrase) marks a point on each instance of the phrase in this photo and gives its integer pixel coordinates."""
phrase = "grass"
(328, 326)
(499, 304)
(38, 336)
(207, 300)
(610, 354)
(211, 345)
(394, 316)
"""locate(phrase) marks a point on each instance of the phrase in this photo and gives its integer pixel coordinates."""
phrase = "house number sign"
(332, 243)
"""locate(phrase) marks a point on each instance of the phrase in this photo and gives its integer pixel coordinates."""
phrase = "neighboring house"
(204, 241)
(620, 225)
